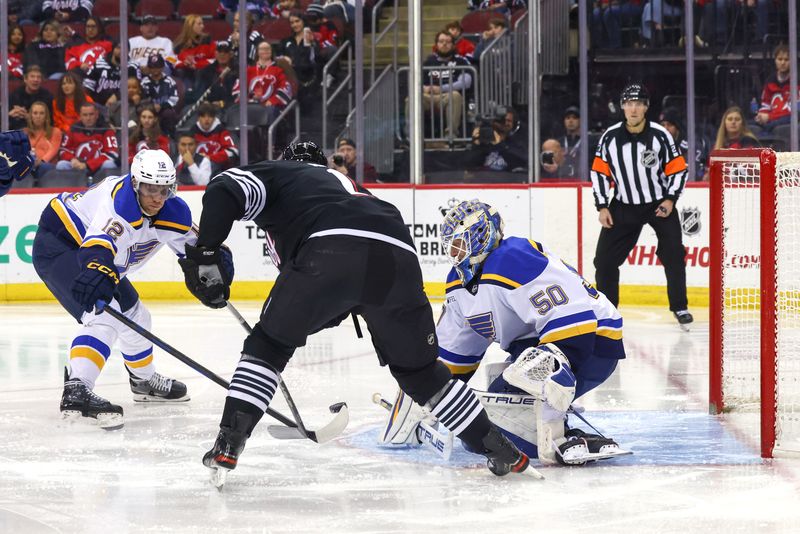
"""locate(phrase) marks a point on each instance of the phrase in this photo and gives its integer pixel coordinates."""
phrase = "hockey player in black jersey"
(339, 250)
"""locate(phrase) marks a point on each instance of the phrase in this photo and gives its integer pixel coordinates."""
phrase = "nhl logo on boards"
(649, 158)
(690, 221)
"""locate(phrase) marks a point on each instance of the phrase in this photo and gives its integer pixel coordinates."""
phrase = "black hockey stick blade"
(322, 435)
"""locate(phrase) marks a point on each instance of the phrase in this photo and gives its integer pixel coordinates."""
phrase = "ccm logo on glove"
(108, 271)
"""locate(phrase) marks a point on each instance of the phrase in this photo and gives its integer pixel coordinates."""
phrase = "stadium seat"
(274, 29)
(160, 9)
(108, 10)
(30, 31)
(205, 8)
(217, 29)
(477, 21)
(51, 85)
(70, 178)
(737, 85)
(170, 28)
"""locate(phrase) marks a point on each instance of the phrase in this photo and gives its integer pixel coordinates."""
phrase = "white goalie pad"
(513, 412)
(403, 421)
(544, 372)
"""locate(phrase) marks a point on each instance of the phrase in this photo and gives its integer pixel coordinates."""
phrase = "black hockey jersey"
(294, 201)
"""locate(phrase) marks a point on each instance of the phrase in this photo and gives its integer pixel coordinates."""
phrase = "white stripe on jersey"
(367, 234)
(255, 192)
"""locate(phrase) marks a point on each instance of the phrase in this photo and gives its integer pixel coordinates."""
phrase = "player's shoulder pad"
(514, 263)
(453, 282)
(126, 205)
(175, 216)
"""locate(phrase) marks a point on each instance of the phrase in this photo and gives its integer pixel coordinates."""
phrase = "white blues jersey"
(109, 215)
(525, 292)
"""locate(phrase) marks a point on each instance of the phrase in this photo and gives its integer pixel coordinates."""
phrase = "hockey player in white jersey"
(86, 245)
(563, 337)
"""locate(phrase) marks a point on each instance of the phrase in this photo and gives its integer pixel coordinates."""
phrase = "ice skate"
(78, 401)
(224, 455)
(581, 447)
(158, 388)
(684, 319)
(504, 457)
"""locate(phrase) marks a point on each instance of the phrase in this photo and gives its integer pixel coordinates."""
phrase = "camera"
(338, 160)
(485, 133)
(548, 158)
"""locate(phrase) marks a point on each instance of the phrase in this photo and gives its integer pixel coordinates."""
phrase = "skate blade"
(218, 477)
(106, 421)
(531, 472)
(686, 327)
(153, 398)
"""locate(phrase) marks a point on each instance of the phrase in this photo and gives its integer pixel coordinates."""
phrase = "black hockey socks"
(460, 411)
(252, 388)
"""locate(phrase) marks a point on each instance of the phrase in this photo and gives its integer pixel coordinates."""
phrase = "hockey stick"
(102, 306)
(441, 443)
(321, 435)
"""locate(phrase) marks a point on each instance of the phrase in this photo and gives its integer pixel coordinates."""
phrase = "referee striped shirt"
(644, 167)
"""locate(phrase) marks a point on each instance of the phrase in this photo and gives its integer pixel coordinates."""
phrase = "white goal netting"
(744, 356)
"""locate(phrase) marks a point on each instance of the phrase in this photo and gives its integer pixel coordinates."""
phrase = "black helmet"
(305, 151)
(634, 91)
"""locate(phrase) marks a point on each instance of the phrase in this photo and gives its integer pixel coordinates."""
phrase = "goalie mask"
(153, 175)
(470, 231)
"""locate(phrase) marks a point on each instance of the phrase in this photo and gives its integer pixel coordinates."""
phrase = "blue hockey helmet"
(305, 151)
(470, 232)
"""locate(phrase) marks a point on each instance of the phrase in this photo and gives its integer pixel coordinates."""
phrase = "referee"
(640, 159)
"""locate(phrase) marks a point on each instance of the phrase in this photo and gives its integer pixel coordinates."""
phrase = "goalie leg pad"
(545, 373)
(404, 419)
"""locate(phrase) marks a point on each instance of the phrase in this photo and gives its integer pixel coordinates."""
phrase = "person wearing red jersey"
(88, 146)
(84, 53)
(776, 97)
(267, 83)
(214, 141)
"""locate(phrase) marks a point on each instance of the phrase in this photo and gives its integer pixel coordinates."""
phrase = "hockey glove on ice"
(208, 274)
(96, 281)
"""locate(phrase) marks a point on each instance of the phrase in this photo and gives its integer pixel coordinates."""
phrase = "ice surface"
(690, 472)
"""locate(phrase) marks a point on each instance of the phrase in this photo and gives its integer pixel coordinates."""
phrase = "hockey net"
(755, 291)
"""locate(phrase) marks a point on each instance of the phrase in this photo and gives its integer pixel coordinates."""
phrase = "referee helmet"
(634, 91)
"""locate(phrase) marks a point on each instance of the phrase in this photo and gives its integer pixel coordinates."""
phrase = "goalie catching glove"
(208, 274)
(544, 372)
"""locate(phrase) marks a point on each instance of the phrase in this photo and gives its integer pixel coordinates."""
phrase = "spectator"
(655, 14)
(102, 81)
(671, 120)
(69, 99)
(464, 47)
(16, 48)
(443, 88)
(255, 8)
(192, 168)
(571, 141)
(327, 37)
(147, 133)
(214, 141)
(607, 15)
(552, 159)
(162, 92)
(47, 51)
(21, 99)
(501, 144)
(45, 138)
(135, 99)
(253, 37)
(496, 28)
(301, 50)
(776, 97)
(84, 53)
(218, 78)
(88, 146)
(339, 9)
(194, 48)
(282, 9)
(267, 84)
(67, 10)
(501, 7)
(345, 163)
(141, 47)
(733, 132)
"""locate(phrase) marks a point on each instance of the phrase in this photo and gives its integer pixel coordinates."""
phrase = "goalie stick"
(441, 443)
(299, 431)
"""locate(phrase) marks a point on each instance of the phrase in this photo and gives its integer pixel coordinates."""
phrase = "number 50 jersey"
(525, 292)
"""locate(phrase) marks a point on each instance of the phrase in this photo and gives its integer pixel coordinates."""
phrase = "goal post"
(754, 291)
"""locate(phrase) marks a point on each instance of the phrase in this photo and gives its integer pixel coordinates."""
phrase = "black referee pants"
(616, 243)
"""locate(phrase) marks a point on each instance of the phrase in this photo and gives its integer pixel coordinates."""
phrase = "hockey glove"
(15, 150)
(96, 281)
(208, 274)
